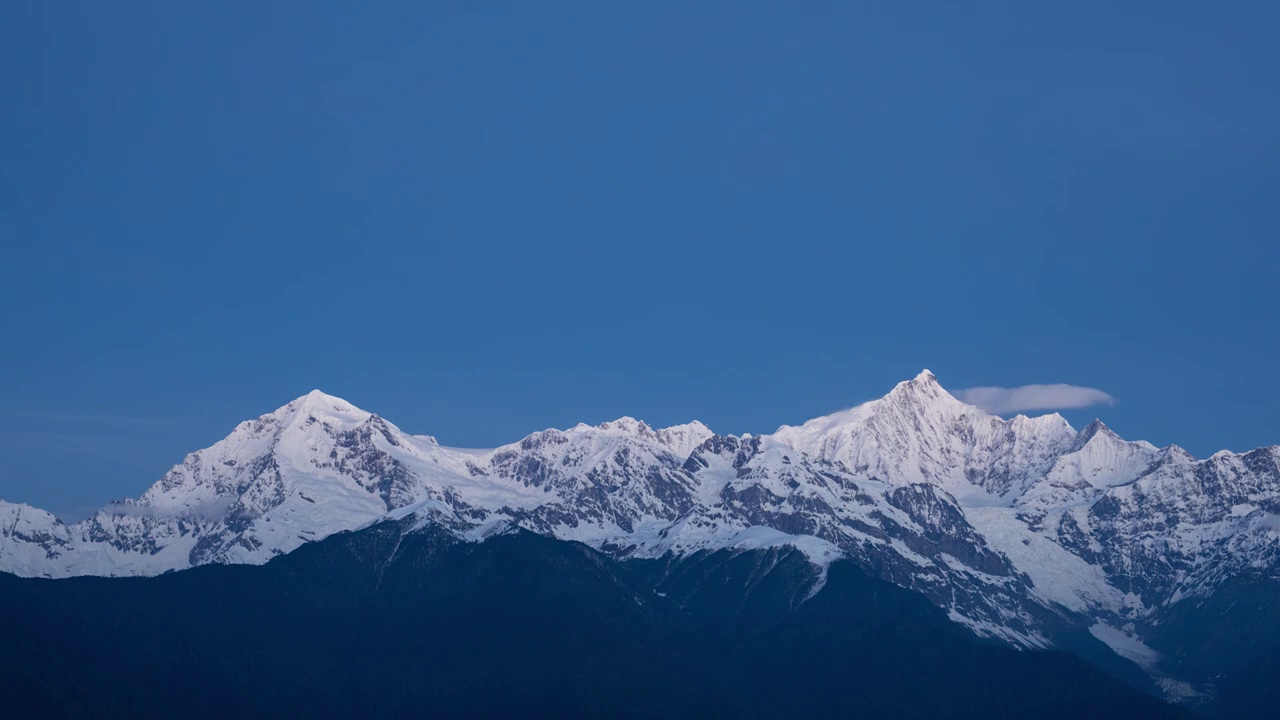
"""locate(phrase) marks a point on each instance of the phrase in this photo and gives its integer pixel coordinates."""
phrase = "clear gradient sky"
(484, 219)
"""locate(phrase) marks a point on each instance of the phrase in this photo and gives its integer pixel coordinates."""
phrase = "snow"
(1060, 506)
(1058, 575)
(915, 558)
(684, 439)
(1177, 690)
(910, 436)
(1125, 645)
(989, 629)
(819, 552)
(1242, 509)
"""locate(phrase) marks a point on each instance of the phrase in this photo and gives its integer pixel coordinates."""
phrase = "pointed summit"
(913, 396)
(319, 398)
(924, 387)
(922, 381)
(322, 406)
(684, 439)
(1093, 429)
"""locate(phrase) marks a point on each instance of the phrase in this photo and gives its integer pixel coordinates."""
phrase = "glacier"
(1016, 527)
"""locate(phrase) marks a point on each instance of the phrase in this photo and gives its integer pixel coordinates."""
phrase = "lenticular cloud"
(1002, 401)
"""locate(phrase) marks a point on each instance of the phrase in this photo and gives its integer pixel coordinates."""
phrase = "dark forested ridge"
(1023, 531)
(419, 624)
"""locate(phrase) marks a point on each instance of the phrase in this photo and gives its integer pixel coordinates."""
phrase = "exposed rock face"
(1016, 527)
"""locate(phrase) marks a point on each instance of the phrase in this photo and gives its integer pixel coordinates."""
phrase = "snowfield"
(1015, 527)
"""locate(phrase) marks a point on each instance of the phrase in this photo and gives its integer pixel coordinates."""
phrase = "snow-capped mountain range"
(1017, 527)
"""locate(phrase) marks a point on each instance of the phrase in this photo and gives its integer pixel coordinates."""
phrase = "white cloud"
(1002, 401)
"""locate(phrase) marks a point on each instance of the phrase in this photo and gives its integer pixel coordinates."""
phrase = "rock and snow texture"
(1013, 526)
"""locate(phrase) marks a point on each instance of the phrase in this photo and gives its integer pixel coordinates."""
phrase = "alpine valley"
(1012, 566)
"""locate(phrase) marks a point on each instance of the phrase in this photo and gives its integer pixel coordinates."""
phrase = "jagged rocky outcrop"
(1022, 529)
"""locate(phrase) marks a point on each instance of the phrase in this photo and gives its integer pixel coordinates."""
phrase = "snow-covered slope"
(919, 433)
(1017, 527)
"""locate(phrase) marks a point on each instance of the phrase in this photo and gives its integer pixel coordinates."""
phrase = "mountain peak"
(323, 406)
(918, 394)
(627, 424)
(1096, 427)
(684, 439)
(321, 398)
(695, 426)
(1049, 424)
(922, 386)
(925, 380)
(1098, 432)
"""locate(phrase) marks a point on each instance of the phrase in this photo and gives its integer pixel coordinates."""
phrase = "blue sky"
(480, 220)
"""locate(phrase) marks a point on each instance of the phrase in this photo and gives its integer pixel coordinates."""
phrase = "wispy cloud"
(1002, 401)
